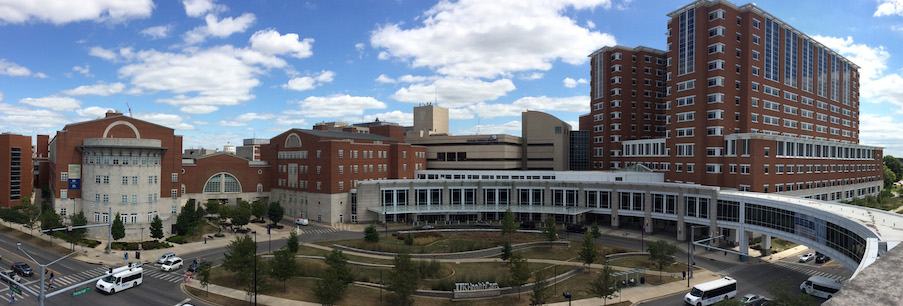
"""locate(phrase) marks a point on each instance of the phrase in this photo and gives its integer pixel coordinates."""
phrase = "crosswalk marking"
(808, 271)
(319, 230)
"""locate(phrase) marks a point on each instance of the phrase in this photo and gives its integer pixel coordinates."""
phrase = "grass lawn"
(435, 242)
(645, 262)
(778, 244)
(214, 298)
(318, 252)
(578, 285)
(566, 253)
(203, 229)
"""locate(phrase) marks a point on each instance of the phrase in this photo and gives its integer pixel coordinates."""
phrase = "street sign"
(15, 289)
(76, 293)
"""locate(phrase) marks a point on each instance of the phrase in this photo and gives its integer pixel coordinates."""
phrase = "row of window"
(103, 159)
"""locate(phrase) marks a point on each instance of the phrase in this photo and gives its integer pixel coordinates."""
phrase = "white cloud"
(578, 104)
(254, 116)
(382, 78)
(27, 119)
(1, 96)
(62, 12)
(269, 41)
(310, 82)
(198, 109)
(876, 85)
(478, 38)
(889, 7)
(13, 69)
(201, 79)
(532, 76)
(99, 89)
(460, 113)
(452, 92)
(896, 28)
(290, 120)
(359, 47)
(404, 119)
(92, 112)
(197, 8)
(225, 123)
(53, 103)
(883, 131)
(157, 32)
(590, 24)
(511, 127)
(86, 70)
(335, 106)
(201, 123)
(167, 120)
(219, 28)
(571, 83)
(102, 53)
(623, 5)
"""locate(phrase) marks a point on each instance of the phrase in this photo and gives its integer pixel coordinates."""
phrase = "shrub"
(145, 245)
(177, 239)
(89, 243)
(409, 239)
(219, 235)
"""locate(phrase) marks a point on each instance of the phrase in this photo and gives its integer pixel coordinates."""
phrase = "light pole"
(567, 295)
(255, 267)
(41, 296)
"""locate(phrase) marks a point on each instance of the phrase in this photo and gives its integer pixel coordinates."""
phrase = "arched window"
(293, 141)
(259, 188)
(222, 183)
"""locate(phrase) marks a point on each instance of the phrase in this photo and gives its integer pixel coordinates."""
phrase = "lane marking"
(27, 260)
(183, 302)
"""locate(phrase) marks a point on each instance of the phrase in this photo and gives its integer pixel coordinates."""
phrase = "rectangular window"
(772, 49)
(686, 42)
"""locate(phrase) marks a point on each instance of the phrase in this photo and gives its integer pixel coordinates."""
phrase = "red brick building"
(226, 177)
(16, 170)
(119, 163)
(314, 170)
(748, 102)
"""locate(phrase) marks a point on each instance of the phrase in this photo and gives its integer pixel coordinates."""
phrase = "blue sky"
(221, 71)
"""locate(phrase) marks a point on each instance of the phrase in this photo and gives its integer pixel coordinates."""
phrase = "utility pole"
(41, 296)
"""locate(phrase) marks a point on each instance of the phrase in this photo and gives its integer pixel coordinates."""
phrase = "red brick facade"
(197, 174)
(16, 170)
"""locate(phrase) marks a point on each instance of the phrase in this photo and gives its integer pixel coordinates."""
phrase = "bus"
(712, 292)
(821, 286)
(121, 278)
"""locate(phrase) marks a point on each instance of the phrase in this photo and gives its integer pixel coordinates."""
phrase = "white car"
(301, 221)
(807, 257)
(172, 264)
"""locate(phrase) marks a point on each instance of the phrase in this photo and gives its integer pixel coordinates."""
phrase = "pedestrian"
(684, 274)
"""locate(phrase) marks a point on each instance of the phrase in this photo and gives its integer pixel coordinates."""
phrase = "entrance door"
(341, 219)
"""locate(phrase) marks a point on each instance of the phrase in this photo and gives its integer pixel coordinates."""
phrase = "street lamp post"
(41, 296)
(255, 267)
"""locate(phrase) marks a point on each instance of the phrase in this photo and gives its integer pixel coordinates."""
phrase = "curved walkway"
(634, 294)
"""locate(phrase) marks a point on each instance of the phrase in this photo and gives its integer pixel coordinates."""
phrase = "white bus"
(712, 292)
(121, 278)
(821, 286)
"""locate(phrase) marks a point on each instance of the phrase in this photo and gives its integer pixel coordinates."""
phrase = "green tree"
(409, 239)
(551, 231)
(588, 250)
(402, 281)
(213, 206)
(225, 212)
(662, 255)
(338, 262)
(186, 219)
(785, 293)
(199, 214)
(889, 177)
(506, 251)
(275, 212)
(329, 289)
(241, 216)
(594, 230)
(32, 214)
(283, 266)
(118, 229)
(894, 164)
(240, 258)
(604, 286)
(292, 242)
(76, 235)
(156, 228)
(541, 292)
(50, 220)
(519, 272)
(508, 224)
(204, 275)
(371, 234)
(259, 209)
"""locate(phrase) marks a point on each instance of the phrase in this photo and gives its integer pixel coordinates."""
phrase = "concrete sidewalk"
(243, 296)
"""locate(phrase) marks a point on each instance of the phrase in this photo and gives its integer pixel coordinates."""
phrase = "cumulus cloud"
(888, 8)
(531, 76)
(453, 92)
(883, 131)
(197, 8)
(202, 80)
(1, 96)
(92, 112)
(571, 83)
(62, 12)
(26, 119)
(53, 103)
(579, 104)
(226, 123)
(86, 70)
(382, 78)
(254, 116)
(310, 82)
(99, 89)
(269, 41)
(157, 32)
(13, 69)
(477, 38)
(219, 28)
(167, 120)
(460, 113)
(102, 53)
(510, 127)
(876, 84)
(335, 106)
